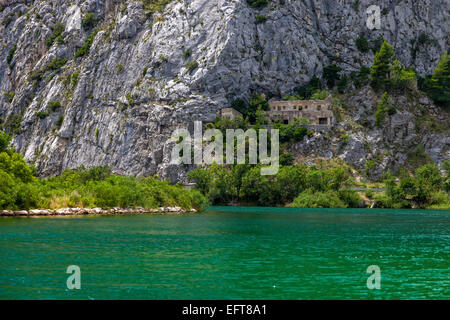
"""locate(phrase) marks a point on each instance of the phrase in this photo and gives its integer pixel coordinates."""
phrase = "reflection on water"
(229, 253)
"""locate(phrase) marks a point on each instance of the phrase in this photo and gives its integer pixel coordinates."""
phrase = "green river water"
(229, 253)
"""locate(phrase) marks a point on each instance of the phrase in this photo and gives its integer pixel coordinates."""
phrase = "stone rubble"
(94, 211)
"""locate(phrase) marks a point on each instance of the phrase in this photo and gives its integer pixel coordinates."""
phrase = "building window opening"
(323, 120)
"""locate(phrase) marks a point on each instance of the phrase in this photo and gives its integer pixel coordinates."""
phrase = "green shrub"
(320, 95)
(5, 141)
(260, 19)
(305, 92)
(87, 45)
(350, 198)
(36, 75)
(362, 44)
(331, 74)
(41, 115)
(75, 78)
(88, 21)
(286, 159)
(59, 121)
(258, 3)
(11, 54)
(7, 20)
(9, 96)
(187, 53)
(163, 58)
(342, 84)
(311, 199)
(54, 106)
(56, 64)
(57, 31)
(369, 194)
(13, 124)
(153, 6)
(191, 66)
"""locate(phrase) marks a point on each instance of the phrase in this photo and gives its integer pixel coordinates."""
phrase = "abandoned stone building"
(230, 113)
(318, 112)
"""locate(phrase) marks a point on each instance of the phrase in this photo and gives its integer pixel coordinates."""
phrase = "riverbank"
(93, 211)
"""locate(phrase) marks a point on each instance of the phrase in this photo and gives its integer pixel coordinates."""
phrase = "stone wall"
(230, 113)
(316, 111)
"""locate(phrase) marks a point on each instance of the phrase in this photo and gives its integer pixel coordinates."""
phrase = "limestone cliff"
(144, 70)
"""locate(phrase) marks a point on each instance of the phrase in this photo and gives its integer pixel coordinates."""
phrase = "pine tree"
(439, 85)
(383, 108)
(402, 79)
(382, 65)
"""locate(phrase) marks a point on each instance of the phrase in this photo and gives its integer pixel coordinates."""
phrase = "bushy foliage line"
(324, 187)
(85, 188)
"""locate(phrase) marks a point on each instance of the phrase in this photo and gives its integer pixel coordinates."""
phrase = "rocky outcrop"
(416, 131)
(148, 73)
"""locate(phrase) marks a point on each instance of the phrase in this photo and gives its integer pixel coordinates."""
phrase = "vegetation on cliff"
(326, 185)
(96, 187)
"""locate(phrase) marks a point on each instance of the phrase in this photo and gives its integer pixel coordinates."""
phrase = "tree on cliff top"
(439, 85)
(382, 66)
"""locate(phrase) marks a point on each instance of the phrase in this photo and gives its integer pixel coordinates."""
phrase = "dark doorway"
(323, 120)
(286, 121)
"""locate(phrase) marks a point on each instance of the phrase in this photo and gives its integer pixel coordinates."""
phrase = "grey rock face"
(122, 100)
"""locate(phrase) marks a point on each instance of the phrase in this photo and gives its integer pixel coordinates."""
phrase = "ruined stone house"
(230, 113)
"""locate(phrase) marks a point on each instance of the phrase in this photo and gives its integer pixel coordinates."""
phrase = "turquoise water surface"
(229, 253)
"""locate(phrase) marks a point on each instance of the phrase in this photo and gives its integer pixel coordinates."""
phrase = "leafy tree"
(428, 180)
(300, 133)
(20, 189)
(256, 101)
(446, 183)
(382, 66)
(260, 116)
(202, 178)
(320, 95)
